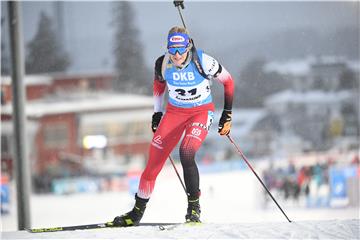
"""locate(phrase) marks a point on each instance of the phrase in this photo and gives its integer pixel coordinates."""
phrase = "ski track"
(327, 229)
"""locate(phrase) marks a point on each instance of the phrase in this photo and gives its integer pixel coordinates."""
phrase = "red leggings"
(195, 122)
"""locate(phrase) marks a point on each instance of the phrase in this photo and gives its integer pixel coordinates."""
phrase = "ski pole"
(247, 162)
(178, 4)
(178, 175)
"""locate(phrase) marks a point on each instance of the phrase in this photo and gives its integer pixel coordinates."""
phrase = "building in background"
(321, 110)
(72, 120)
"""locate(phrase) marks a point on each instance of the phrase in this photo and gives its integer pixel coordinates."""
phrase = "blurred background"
(89, 74)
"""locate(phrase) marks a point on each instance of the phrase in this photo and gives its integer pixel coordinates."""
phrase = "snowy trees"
(256, 84)
(132, 74)
(44, 53)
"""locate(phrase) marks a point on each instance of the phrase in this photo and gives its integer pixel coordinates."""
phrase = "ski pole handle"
(179, 3)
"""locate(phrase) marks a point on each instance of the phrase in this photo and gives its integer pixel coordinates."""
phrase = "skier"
(190, 109)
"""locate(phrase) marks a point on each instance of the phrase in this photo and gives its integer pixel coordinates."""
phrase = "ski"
(162, 226)
(169, 227)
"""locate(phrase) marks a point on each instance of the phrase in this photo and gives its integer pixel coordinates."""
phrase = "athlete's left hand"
(156, 118)
(225, 122)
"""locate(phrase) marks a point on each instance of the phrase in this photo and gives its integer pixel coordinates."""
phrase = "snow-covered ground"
(335, 229)
(231, 208)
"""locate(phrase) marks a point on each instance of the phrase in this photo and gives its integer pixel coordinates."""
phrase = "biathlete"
(187, 74)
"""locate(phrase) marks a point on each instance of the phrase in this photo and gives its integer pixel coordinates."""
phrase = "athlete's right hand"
(156, 117)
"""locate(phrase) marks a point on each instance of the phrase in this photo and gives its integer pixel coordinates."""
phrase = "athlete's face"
(180, 56)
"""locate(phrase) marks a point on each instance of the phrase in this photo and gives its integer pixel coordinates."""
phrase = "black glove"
(225, 122)
(156, 117)
(179, 3)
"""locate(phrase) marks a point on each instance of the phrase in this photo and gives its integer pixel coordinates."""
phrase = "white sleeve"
(210, 65)
(158, 103)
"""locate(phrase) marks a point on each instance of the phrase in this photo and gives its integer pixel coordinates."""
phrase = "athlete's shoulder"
(158, 68)
(210, 64)
(159, 61)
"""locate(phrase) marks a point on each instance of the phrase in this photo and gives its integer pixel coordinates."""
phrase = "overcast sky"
(214, 25)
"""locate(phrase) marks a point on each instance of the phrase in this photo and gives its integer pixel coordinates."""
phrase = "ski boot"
(193, 210)
(133, 217)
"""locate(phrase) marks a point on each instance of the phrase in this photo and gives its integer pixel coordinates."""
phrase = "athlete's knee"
(187, 152)
(187, 156)
(150, 173)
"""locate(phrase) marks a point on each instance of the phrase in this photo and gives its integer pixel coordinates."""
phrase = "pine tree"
(132, 74)
(45, 54)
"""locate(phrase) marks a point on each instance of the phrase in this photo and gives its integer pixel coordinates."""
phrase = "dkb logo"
(184, 76)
